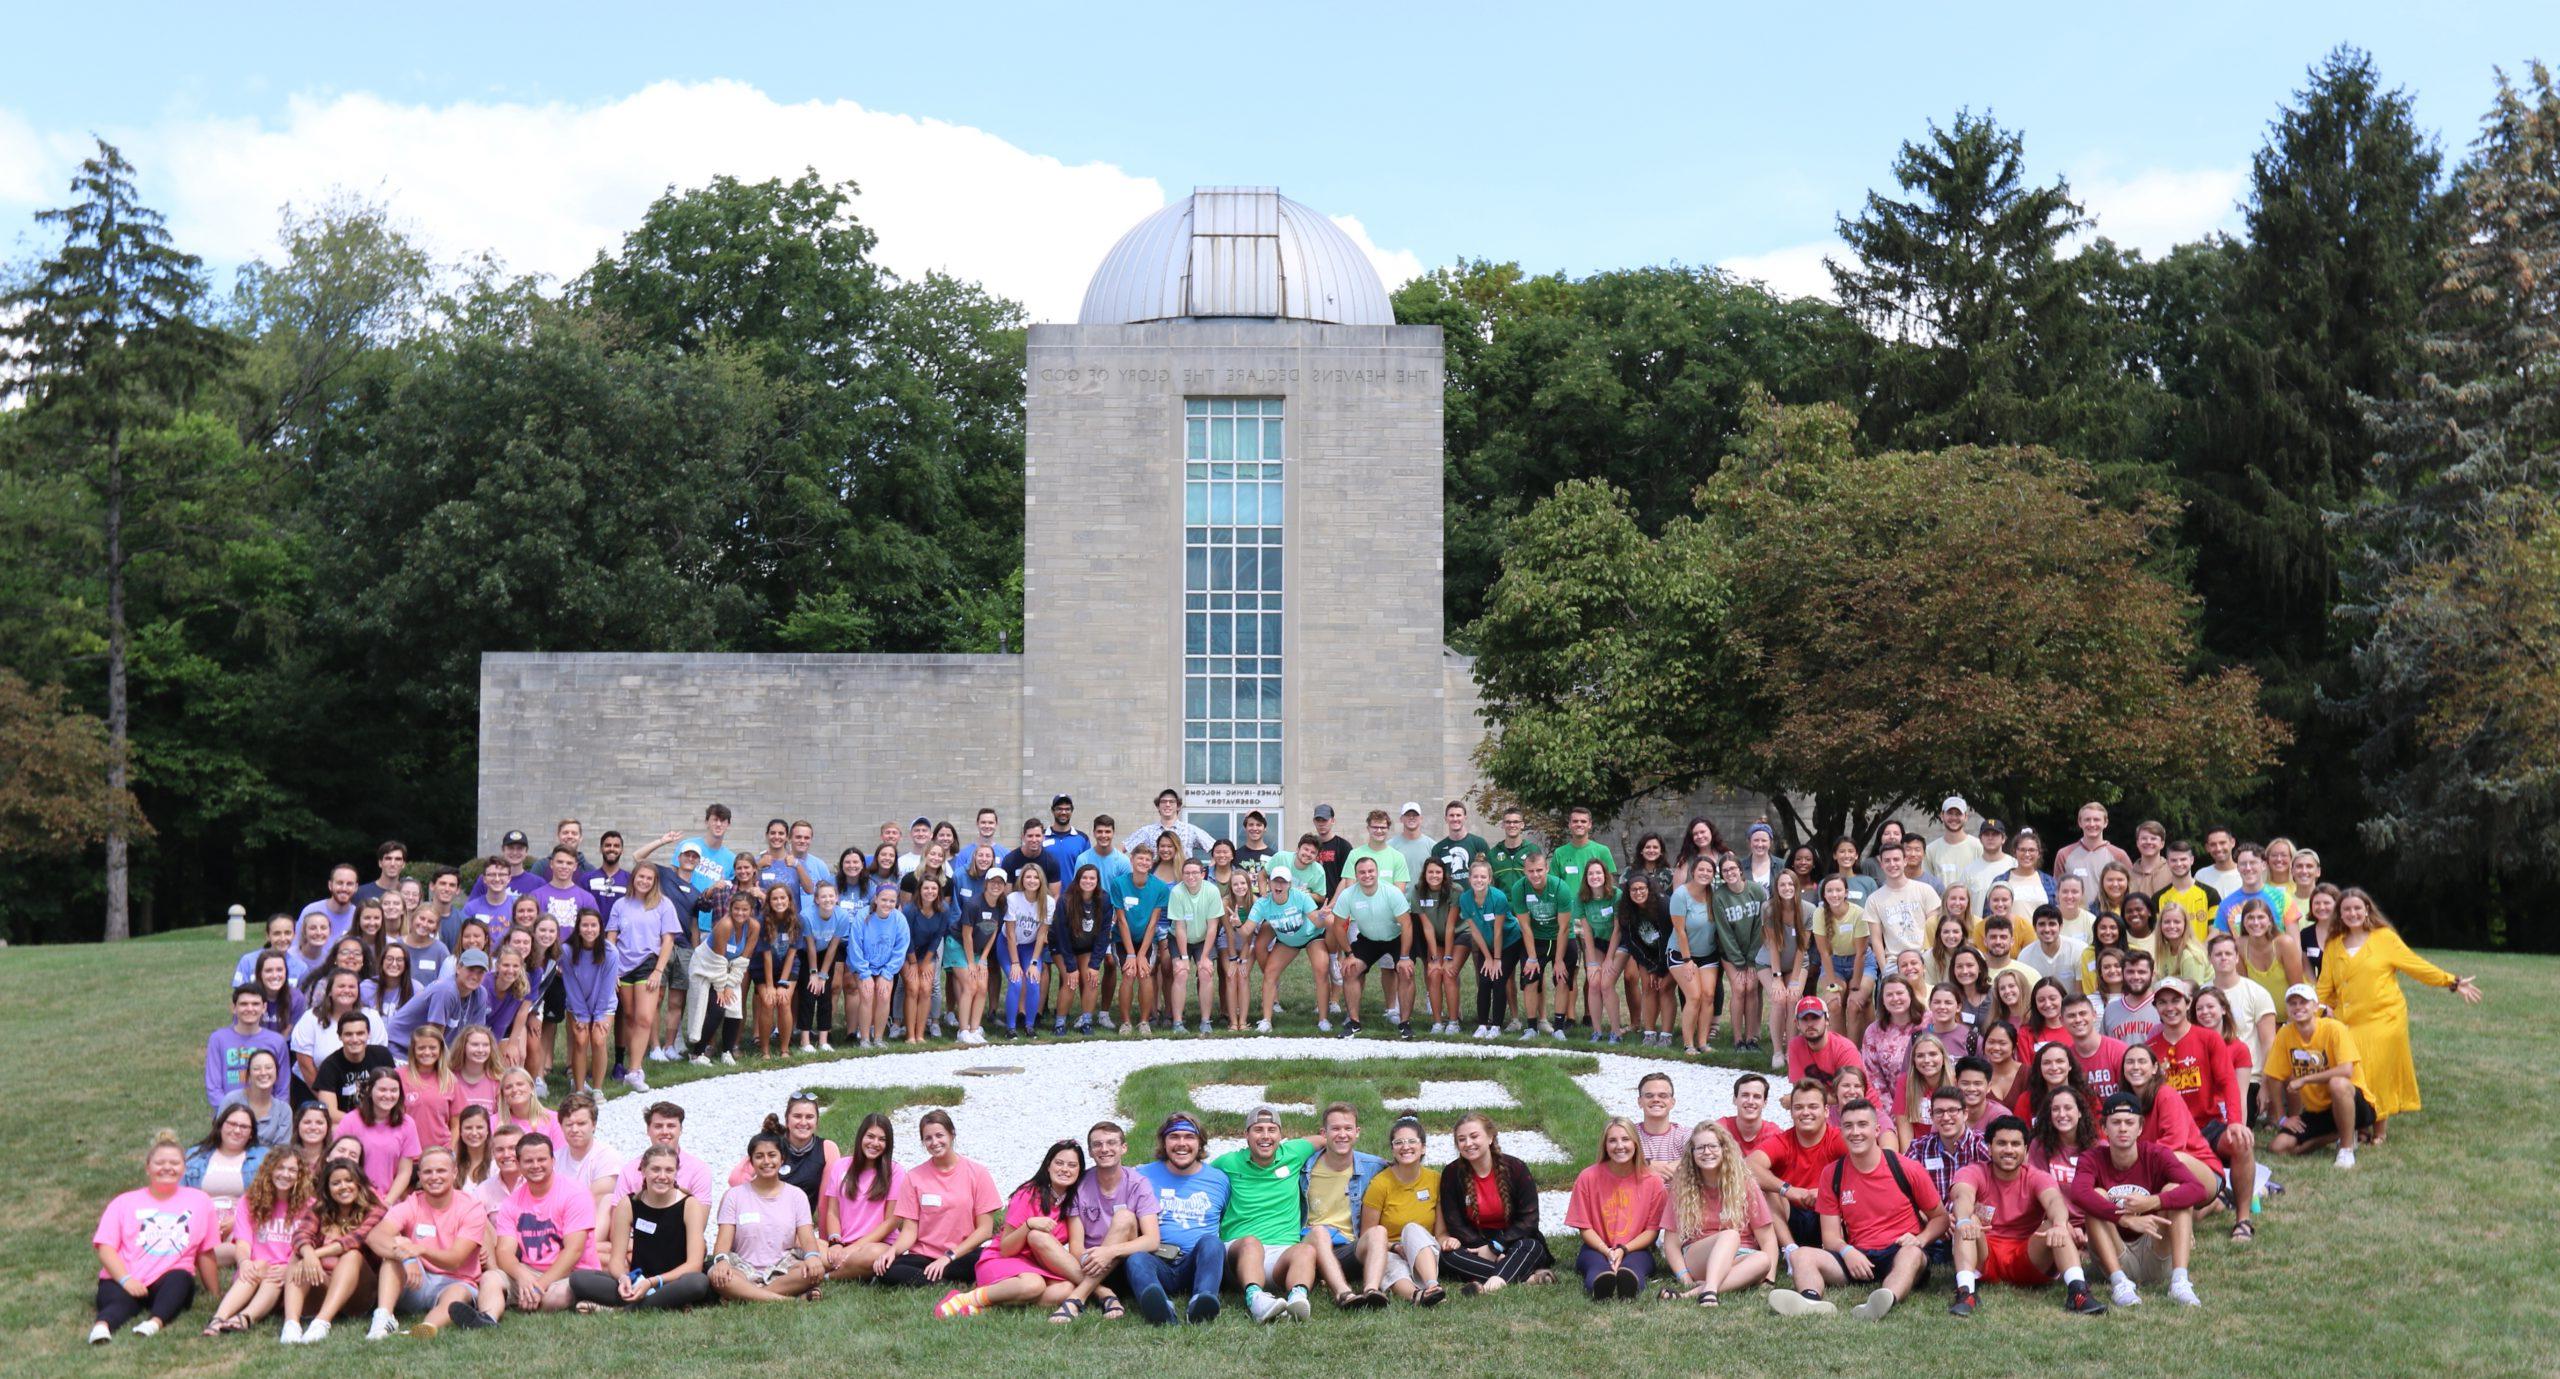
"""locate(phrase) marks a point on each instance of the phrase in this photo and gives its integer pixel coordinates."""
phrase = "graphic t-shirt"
(1095, 1206)
(540, 1226)
(1902, 914)
(264, 1241)
(463, 1220)
(1262, 1199)
(154, 1235)
(2009, 1210)
(1189, 1206)
(2331, 1045)
(1872, 1208)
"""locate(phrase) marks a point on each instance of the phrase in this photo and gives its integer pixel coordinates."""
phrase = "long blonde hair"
(1731, 1188)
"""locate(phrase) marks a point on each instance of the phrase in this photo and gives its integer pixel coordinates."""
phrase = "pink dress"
(994, 1266)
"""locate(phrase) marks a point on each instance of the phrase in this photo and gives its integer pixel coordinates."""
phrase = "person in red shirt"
(1879, 1217)
(1815, 1049)
(2139, 1189)
(2195, 1062)
(2097, 1053)
(2013, 1227)
(1797, 1160)
(2165, 1120)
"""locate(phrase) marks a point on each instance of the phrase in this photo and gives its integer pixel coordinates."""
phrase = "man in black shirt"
(1332, 849)
(340, 1078)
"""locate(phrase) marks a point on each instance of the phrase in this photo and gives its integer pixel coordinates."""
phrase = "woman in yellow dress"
(2361, 961)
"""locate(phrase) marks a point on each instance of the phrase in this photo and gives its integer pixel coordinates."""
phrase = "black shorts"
(1379, 952)
(555, 1000)
(1805, 1226)
(2213, 1132)
(2325, 1122)
(640, 974)
(1572, 958)
(1883, 1261)
(1347, 1255)
(1655, 962)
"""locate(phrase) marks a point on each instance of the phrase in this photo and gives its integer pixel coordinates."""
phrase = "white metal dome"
(1236, 251)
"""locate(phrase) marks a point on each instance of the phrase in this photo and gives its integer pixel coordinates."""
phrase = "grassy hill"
(2439, 1253)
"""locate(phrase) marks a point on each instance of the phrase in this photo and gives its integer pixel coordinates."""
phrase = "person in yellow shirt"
(2195, 897)
(2315, 1081)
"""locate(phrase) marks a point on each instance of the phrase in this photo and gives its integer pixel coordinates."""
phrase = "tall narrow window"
(1231, 497)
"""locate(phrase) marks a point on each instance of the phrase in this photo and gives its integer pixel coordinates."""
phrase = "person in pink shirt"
(2013, 1226)
(154, 1245)
(1717, 1229)
(262, 1230)
(665, 1120)
(328, 1250)
(767, 1248)
(1026, 1263)
(945, 1210)
(1878, 1218)
(380, 1122)
(430, 1086)
(430, 1248)
(853, 1205)
(545, 1231)
(1815, 1049)
(1617, 1207)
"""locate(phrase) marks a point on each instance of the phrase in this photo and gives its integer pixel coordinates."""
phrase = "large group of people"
(2015, 1071)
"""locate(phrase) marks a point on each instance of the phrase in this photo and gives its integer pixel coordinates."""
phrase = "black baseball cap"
(1994, 826)
(1056, 800)
(515, 839)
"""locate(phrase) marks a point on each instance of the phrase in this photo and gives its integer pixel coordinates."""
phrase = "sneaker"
(1299, 1307)
(466, 1317)
(314, 1333)
(1777, 1061)
(423, 1331)
(728, 1060)
(1350, 1029)
(1873, 1309)
(1085, 1025)
(1107, 1021)
(1558, 1033)
(2346, 1156)
(1787, 1302)
(2126, 1295)
(824, 1046)
(1202, 1311)
(1263, 1308)
(1529, 1032)
(382, 1326)
(700, 1060)
(1262, 1027)
(1060, 1027)
(1181, 1027)
(2184, 1293)
(2079, 1300)
(1965, 1302)
(1404, 1030)
(1337, 976)
(1485, 1031)
(1438, 1028)
(1156, 1307)
(1617, 1037)
(1146, 1027)
(656, 1055)
(99, 1334)
(148, 1326)
(292, 1334)
(1323, 1026)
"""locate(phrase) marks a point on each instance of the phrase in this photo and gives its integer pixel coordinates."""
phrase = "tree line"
(2261, 528)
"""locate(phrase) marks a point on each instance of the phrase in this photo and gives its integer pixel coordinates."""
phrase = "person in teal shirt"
(1140, 898)
(1192, 909)
(1265, 1223)
(1595, 938)
(1501, 957)
(1545, 899)
(1739, 904)
(1289, 915)
(1381, 932)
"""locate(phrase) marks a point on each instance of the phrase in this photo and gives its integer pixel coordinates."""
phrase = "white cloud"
(1395, 267)
(1793, 271)
(548, 186)
(2157, 209)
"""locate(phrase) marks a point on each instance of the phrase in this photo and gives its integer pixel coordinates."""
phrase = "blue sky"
(1566, 137)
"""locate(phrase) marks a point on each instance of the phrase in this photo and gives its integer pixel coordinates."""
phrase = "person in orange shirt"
(2315, 1080)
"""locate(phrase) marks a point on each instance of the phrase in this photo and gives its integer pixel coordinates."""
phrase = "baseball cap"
(997, 874)
(1281, 875)
(2121, 1101)
(1954, 802)
(689, 850)
(473, 957)
(1056, 800)
(924, 819)
(2305, 990)
(1324, 811)
(2176, 984)
(1410, 807)
(515, 839)
(1994, 826)
(1812, 1005)
(1261, 1115)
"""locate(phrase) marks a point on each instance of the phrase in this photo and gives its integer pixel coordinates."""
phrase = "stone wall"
(642, 741)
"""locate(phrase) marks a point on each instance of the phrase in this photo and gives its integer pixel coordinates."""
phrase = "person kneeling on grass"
(767, 1249)
(2142, 1190)
(1027, 1262)
(2013, 1226)
(1878, 1218)
(1717, 1229)
(653, 1247)
(2314, 1080)
(1617, 1206)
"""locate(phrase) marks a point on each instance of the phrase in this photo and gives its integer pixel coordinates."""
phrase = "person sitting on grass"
(1400, 1211)
(653, 1245)
(1617, 1206)
(1191, 1200)
(431, 1246)
(1027, 1262)
(545, 1231)
(154, 1246)
(945, 1209)
(2013, 1227)
(329, 1251)
(1265, 1222)
(1717, 1229)
(1335, 1181)
(262, 1231)
(853, 1203)
(767, 1250)
(2140, 1189)
(1877, 1221)
(1111, 1219)
(1490, 1213)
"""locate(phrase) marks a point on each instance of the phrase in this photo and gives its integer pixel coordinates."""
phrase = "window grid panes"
(1231, 593)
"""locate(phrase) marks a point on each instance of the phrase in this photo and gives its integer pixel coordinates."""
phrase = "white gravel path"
(1006, 1120)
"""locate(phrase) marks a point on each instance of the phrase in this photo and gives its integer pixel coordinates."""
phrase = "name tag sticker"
(749, 1218)
(1422, 1195)
(426, 1230)
(930, 1199)
(644, 1225)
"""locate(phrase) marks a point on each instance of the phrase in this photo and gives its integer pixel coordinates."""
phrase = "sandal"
(1112, 1308)
(1430, 1297)
(1067, 1311)
(2244, 1232)
(1374, 1300)
(1707, 1298)
(1346, 1300)
(1669, 1294)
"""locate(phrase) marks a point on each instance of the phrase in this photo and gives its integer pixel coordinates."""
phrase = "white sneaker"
(1299, 1307)
(100, 1334)
(824, 1046)
(2125, 1294)
(635, 1080)
(1263, 1307)
(1873, 1309)
(148, 1326)
(1787, 1302)
(2181, 1291)
(291, 1335)
(700, 1060)
(382, 1326)
(1262, 1027)
(654, 1056)
(314, 1333)
(728, 1060)
(1324, 1026)
(1558, 1033)
(2346, 1156)
(1777, 1060)
(1528, 1032)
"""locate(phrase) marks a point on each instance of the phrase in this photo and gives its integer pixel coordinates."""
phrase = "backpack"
(1840, 1177)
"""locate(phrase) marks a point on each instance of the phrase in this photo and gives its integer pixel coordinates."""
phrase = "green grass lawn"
(2437, 1254)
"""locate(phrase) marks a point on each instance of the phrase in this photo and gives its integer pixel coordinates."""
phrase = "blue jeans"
(1200, 1272)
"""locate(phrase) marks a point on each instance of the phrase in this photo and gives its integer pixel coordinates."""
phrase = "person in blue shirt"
(823, 925)
(280, 931)
(930, 918)
(1290, 916)
(1139, 898)
(711, 846)
(875, 952)
(1333, 1184)
(1191, 1202)
(1063, 839)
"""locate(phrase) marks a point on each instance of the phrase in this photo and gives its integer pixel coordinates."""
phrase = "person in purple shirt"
(1115, 1216)
(460, 999)
(227, 1050)
(492, 902)
(280, 931)
(516, 850)
(340, 903)
(562, 897)
(608, 880)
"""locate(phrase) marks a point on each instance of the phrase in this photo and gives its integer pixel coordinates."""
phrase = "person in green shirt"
(1578, 849)
(1510, 857)
(1381, 929)
(1604, 963)
(1494, 933)
(1264, 1225)
(1458, 848)
(1738, 907)
(1192, 910)
(1393, 870)
(1545, 901)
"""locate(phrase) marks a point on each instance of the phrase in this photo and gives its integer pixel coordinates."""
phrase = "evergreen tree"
(103, 346)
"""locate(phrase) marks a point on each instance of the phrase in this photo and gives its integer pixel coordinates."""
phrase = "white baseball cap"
(1410, 807)
(1956, 803)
